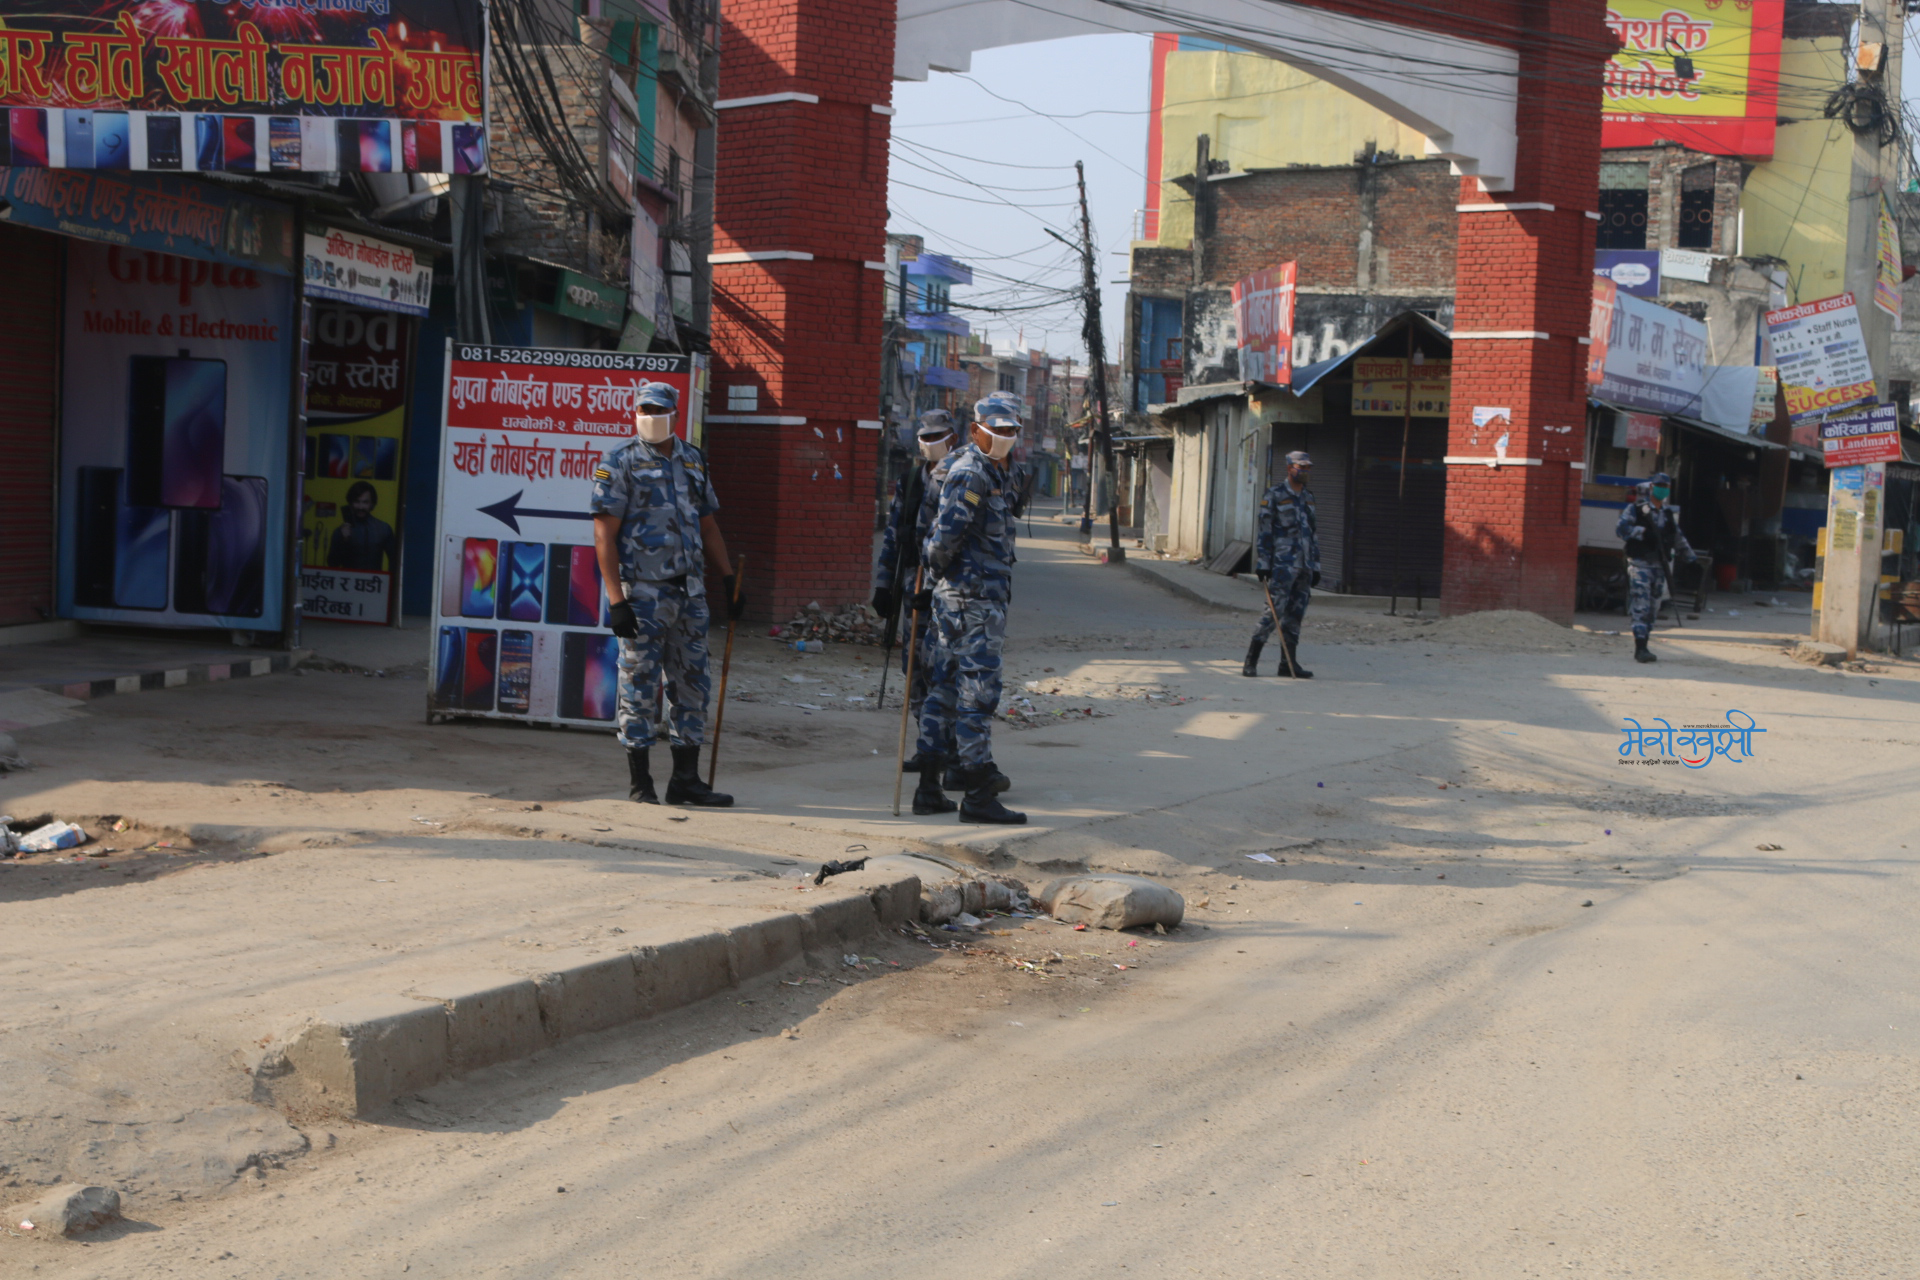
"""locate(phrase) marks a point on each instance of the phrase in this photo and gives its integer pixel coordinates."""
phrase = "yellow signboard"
(1703, 73)
(1380, 388)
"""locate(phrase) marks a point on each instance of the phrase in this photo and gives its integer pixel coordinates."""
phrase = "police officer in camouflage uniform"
(915, 498)
(1287, 559)
(655, 536)
(969, 552)
(1651, 531)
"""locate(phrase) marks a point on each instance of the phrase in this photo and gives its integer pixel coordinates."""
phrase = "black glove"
(1315, 580)
(621, 622)
(923, 601)
(1260, 574)
(736, 600)
(883, 602)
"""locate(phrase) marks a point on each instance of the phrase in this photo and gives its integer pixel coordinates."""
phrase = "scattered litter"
(1260, 857)
(427, 822)
(851, 961)
(851, 624)
(676, 817)
(800, 679)
(119, 824)
(809, 646)
(1120, 966)
(967, 920)
(1587, 903)
(942, 902)
(808, 706)
(1768, 848)
(1733, 613)
(55, 835)
(838, 868)
(1319, 784)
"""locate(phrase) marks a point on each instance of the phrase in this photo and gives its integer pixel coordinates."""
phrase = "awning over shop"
(1694, 424)
(1307, 375)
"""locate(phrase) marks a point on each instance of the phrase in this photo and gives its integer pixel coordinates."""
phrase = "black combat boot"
(640, 774)
(1640, 651)
(1253, 657)
(1290, 659)
(928, 797)
(686, 787)
(955, 781)
(912, 764)
(980, 803)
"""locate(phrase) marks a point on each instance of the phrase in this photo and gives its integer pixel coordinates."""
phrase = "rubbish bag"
(55, 835)
(1111, 902)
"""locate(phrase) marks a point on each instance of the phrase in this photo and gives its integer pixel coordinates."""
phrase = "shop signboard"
(1655, 359)
(1380, 388)
(368, 86)
(1727, 105)
(1606, 295)
(346, 266)
(1822, 357)
(168, 214)
(1872, 436)
(594, 301)
(1263, 319)
(1636, 271)
(350, 517)
(520, 613)
(173, 441)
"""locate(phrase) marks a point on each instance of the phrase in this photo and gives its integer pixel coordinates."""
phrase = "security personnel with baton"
(654, 536)
(1287, 560)
(1651, 531)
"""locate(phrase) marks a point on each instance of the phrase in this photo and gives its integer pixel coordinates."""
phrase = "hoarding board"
(1873, 436)
(1263, 319)
(520, 611)
(346, 266)
(1822, 357)
(1380, 388)
(369, 86)
(1729, 104)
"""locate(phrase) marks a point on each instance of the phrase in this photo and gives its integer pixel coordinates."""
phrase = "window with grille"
(1623, 206)
(1696, 207)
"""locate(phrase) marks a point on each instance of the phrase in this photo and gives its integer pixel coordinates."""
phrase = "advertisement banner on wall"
(346, 266)
(357, 396)
(1655, 359)
(1635, 271)
(1606, 295)
(1380, 388)
(1889, 272)
(201, 220)
(367, 86)
(1726, 107)
(520, 613)
(1873, 436)
(173, 441)
(1263, 319)
(1822, 357)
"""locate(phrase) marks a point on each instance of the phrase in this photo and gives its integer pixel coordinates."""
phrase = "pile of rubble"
(851, 624)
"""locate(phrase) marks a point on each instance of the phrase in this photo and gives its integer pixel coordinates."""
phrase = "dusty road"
(1503, 1005)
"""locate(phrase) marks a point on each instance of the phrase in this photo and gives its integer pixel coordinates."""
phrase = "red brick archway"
(800, 229)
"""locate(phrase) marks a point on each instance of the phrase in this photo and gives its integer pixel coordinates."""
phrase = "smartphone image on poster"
(523, 569)
(163, 142)
(449, 666)
(79, 139)
(375, 457)
(120, 551)
(176, 431)
(483, 653)
(469, 149)
(110, 146)
(336, 457)
(209, 144)
(319, 143)
(420, 146)
(451, 557)
(283, 144)
(237, 134)
(589, 676)
(376, 146)
(27, 133)
(479, 575)
(221, 567)
(583, 585)
(516, 672)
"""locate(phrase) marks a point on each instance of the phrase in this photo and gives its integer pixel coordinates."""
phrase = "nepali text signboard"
(1873, 436)
(1380, 388)
(1822, 357)
(184, 216)
(1263, 319)
(255, 86)
(1726, 108)
(346, 266)
(520, 614)
(1655, 359)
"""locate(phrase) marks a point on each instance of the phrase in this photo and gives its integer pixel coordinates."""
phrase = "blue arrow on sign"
(508, 512)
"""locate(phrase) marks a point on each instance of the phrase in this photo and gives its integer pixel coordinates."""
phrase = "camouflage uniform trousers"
(672, 649)
(926, 668)
(963, 689)
(1291, 597)
(1646, 583)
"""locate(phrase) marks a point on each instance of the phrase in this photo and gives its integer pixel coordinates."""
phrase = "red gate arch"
(799, 236)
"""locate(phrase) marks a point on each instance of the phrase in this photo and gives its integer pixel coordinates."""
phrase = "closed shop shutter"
(1378, 517)
(29, 371)
(1331, 447)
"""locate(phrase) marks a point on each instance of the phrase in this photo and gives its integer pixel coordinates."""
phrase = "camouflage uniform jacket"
(1652, 534)
(1289, 538)
(893, 538)
(969, 549)
(660, 495)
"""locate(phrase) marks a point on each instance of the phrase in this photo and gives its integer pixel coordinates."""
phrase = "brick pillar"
(1521, 304)
(800, 213)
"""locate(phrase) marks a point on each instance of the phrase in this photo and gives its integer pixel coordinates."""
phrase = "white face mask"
(998, 446)
(654, 428)
(934, 450)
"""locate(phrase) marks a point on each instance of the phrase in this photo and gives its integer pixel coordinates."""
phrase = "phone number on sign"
(620, 361)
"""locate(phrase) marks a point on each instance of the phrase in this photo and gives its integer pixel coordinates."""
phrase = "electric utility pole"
(1097, 355)
(1850, 581)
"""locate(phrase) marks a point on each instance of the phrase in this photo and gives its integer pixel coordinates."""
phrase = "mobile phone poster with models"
(173, 455)
(520, 625)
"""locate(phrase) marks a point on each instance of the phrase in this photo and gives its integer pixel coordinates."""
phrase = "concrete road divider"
(355, 1057)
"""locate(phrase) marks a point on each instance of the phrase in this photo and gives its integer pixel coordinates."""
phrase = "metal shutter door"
(29, 367)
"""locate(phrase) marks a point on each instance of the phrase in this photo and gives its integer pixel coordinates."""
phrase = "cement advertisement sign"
(519, 623)
(1727, 106)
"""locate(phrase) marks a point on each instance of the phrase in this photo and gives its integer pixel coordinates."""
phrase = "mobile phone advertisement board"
(368, 86)
(520, 613)
(175, 393)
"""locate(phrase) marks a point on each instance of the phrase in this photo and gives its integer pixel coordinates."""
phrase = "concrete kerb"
(355, 1057)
